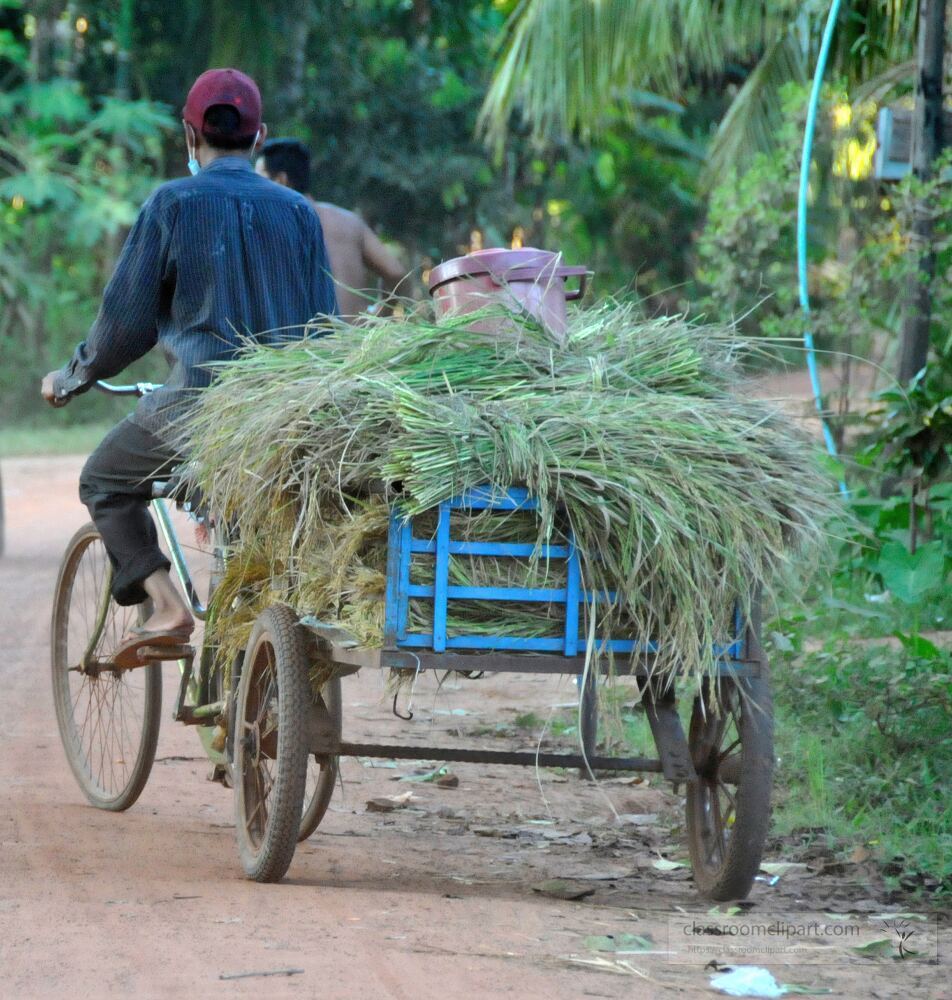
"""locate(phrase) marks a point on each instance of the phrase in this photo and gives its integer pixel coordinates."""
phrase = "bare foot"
(166, 625)
(170, 616)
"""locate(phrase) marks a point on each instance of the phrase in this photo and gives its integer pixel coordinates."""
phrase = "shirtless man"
(356, 252)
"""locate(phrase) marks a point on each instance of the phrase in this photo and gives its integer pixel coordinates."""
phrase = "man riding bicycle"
(213, 260)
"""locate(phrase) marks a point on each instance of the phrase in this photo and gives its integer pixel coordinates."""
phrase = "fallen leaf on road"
(620, 943)
(638, 819)
(879, 947)
(252, 975)
(603, 965)
(783, 868)
(600, 874)
(387, 803)
(433, 775)
(561, 888)
(664, 865)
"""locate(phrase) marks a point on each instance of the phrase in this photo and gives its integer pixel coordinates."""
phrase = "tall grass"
(682, 495)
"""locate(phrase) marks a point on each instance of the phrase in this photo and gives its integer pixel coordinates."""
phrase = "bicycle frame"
(178, 558)
(202, 712)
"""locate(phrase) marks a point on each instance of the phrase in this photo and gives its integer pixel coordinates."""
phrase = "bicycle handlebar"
(139, 389)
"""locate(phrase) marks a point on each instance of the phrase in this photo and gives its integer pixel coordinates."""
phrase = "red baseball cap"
(225, 86)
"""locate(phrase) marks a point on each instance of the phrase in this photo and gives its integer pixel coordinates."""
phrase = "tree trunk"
(288, 95)
(927, 144)
(43, 43)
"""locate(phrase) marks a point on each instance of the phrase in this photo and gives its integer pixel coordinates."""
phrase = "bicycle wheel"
(728, 807)
(321, 770)
(108, 718)
(271, 744)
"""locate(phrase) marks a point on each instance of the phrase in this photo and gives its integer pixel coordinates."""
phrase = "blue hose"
(802, 225)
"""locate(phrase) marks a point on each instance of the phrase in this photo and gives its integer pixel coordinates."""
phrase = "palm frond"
(563, 62)
(755, 112)
(901, 75)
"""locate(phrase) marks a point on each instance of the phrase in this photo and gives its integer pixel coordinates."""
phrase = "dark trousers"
(116, 485)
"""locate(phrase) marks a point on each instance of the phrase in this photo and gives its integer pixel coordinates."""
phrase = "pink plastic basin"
(530, 280)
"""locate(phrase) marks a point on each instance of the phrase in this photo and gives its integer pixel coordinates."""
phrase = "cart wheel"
(271, 748)
(321, 770)
(728, 807)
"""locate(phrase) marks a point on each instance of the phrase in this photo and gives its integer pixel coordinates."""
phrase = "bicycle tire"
(274, 700)
(322, 769)
(727, 845)
(115, 697)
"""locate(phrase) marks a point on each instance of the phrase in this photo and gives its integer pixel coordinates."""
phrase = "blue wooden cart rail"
(403, 544)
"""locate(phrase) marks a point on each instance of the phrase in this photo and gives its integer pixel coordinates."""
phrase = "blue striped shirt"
(212, 261)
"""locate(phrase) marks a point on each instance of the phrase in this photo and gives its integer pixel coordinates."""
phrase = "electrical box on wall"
(893, 158)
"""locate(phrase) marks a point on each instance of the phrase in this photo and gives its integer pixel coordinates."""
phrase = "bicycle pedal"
(151, 654)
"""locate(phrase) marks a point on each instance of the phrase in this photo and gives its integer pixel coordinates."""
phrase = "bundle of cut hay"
(683, 495)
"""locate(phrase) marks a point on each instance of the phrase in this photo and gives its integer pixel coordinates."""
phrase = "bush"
(72, 176)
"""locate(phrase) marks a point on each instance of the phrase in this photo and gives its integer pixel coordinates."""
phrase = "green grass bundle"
(682, 493)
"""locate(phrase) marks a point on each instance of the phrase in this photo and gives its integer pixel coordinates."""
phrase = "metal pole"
(926, 145)
(588, 717)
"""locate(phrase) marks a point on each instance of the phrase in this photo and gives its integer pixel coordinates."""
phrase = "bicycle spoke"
(721, 756)
(717, 840)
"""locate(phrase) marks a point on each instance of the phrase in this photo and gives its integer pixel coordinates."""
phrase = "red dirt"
(433, 900)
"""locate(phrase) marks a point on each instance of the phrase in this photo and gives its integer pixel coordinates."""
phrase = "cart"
(724, 762)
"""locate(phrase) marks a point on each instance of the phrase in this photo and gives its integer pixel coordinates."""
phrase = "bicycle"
(109, 717)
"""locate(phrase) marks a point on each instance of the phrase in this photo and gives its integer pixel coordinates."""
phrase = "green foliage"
(72, 175)
(873, 713)
(861, 263)
(914, 427)
(864, 675)
(746, 257)
(390, 106)
(912, 576)
(565, 63)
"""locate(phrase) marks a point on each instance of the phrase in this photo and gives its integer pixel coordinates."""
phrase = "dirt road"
(435, 900)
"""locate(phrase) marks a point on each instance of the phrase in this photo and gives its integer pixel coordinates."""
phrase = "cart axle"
(527, 758)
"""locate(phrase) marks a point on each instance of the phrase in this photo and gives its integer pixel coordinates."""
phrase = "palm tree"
(564, 63)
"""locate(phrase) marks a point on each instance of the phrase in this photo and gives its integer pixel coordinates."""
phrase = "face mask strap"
(193, 165)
